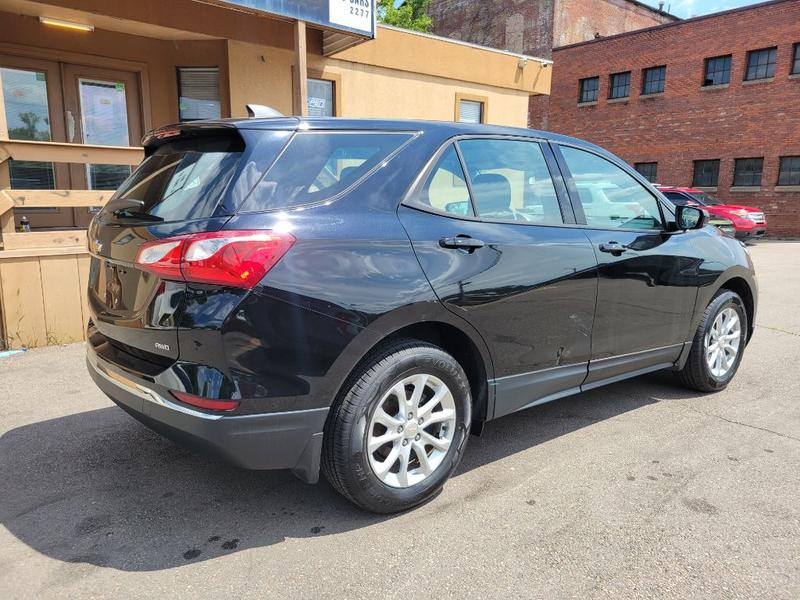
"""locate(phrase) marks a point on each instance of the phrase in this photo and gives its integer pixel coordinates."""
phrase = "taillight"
(206, 403)
(232, 258)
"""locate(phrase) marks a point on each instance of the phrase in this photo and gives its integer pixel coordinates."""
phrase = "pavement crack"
(731, 421)
(778, 329)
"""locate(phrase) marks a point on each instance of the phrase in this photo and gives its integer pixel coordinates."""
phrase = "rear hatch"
(185, 185)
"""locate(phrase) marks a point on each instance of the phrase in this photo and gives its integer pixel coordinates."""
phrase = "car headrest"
(493, 193)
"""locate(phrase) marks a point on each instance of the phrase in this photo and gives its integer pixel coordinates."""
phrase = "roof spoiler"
(259, 111)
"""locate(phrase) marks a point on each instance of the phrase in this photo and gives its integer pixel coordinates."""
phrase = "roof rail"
(259, 111)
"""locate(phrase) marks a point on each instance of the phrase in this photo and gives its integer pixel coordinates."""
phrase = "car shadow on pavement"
(99, 488)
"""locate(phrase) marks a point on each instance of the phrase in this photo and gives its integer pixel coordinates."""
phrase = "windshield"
(705, 199)
(180, 181)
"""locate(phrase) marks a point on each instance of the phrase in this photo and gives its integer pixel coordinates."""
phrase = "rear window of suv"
(316, 166)
(184, 179)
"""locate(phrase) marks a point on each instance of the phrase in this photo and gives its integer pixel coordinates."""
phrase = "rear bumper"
(284, 440)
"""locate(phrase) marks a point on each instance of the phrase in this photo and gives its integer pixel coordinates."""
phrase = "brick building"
(535, 27)
(712, 102)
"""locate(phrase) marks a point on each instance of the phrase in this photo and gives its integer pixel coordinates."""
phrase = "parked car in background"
(357, 296)
(724, 225)
(750, 223)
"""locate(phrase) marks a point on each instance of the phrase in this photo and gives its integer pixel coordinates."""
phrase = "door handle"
(463, 242)
(70, 127)
(614, 248)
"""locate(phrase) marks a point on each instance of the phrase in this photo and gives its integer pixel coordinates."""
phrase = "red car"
(750, 223)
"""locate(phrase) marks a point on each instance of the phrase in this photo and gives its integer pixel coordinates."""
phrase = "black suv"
(357, 296)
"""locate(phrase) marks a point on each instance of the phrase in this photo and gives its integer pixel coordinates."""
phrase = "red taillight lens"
(206, 403)
(233, 258)
(162, 257)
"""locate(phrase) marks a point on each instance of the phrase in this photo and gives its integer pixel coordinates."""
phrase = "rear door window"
(183, 180)
(446, 189)
(317, 166)
(511, 181)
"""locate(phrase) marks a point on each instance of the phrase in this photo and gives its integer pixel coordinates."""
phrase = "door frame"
(90, 60)
(45, 217)
(667, 215)
(71, 77)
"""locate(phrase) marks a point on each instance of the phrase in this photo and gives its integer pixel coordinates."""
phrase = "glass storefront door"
(102, 108)
(98, 106)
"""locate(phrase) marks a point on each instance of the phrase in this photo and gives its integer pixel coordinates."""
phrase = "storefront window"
(28, 118)
(321, 98)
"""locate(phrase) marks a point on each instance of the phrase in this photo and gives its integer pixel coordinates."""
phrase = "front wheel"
(718, 344)
(400, 430)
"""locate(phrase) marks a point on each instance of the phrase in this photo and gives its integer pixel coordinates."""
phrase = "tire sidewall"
(372, 490)
(725, 300)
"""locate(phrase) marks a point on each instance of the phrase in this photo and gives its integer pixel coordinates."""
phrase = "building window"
(620, 85)
(653, 80)
(321, 98)
(718, 70)
(588, 89)
(747, 172)
(706, 173)
(198, 93)
(761, 64)
(470, 111)
(648, 170)
(789, 172)
(796, 60)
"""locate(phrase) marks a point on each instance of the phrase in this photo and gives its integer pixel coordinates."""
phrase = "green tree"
(410, 14)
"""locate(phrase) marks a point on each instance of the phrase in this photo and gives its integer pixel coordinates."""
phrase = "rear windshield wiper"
(124, 213)
(121, 208)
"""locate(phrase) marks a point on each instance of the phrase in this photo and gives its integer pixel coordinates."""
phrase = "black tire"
(696, 373)
(345, 461)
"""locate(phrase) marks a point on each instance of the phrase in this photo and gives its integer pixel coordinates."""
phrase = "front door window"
(610, 197)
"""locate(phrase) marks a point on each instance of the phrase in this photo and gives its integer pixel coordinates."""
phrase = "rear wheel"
(400, 429)
(718, 344)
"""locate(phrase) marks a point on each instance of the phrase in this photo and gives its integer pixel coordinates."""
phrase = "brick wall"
(686, 122)
(524, 27)
(533, 27)
(580, 20)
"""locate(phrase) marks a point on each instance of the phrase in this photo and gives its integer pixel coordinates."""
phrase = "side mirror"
(690, 217)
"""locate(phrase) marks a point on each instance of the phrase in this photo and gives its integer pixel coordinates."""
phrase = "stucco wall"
(262, 75)
(259, 75)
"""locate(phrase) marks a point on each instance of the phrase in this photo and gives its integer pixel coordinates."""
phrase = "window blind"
(470, 111)
(198, 90)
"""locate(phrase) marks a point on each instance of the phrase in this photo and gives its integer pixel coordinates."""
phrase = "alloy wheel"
(411, 430)
(722, 342)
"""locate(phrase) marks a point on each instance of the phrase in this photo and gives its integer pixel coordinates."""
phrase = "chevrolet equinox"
(357, 296)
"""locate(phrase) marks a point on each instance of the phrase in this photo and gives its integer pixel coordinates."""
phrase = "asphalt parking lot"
(639, 489)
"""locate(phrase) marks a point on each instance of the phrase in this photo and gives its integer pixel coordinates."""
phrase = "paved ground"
(639, 489)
